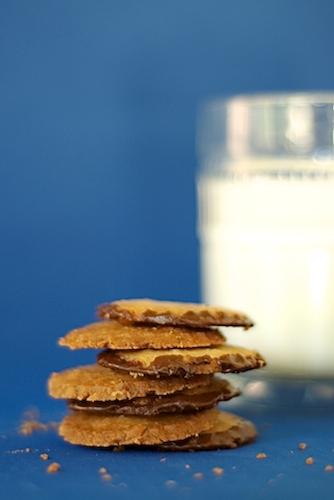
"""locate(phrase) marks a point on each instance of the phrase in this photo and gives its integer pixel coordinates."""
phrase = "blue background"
(98, 112)
(98, 103)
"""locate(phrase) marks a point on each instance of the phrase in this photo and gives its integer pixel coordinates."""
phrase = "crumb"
(162, 460)
(118, 448)
(44, 456)
(234, 467)
(198, 475)
(31, 423)
(218, 471)
(26, 450)
(105, 474)
(329, 468)
(170, 484)
(54, 467)
(309, 461)
(302, 446)
(31, 414)
(30, 427)
(261, 455)
(272, 481)
(187, 466)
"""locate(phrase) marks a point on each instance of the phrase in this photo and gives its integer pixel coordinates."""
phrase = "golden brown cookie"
(195, 399)
(172, 313)
(89, 429)
(115, 335)
(95, 383)
(228, 431)
(183, 362)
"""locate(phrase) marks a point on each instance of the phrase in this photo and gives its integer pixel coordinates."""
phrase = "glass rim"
(276, 98)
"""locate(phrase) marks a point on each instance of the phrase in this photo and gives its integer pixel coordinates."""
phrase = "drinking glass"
(266, 228)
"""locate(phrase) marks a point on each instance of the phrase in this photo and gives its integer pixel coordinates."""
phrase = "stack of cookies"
(157, 382)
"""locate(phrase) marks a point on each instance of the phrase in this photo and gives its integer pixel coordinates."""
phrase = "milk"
(267, 249)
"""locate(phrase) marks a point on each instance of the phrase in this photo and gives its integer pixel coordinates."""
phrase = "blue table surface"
(284, 472)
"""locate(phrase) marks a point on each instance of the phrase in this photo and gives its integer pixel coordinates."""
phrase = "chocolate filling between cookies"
(176, 365)
(179, 402)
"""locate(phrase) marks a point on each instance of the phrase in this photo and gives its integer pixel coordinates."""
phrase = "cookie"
(195, 399)
(90, 429)
(228, 431)
(183, 362)
(172, 313)
(115, 335)
(95, 383)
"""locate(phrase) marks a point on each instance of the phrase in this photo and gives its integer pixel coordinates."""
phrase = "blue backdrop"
(98, 110)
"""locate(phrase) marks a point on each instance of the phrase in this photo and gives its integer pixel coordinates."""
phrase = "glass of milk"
(266, 228)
